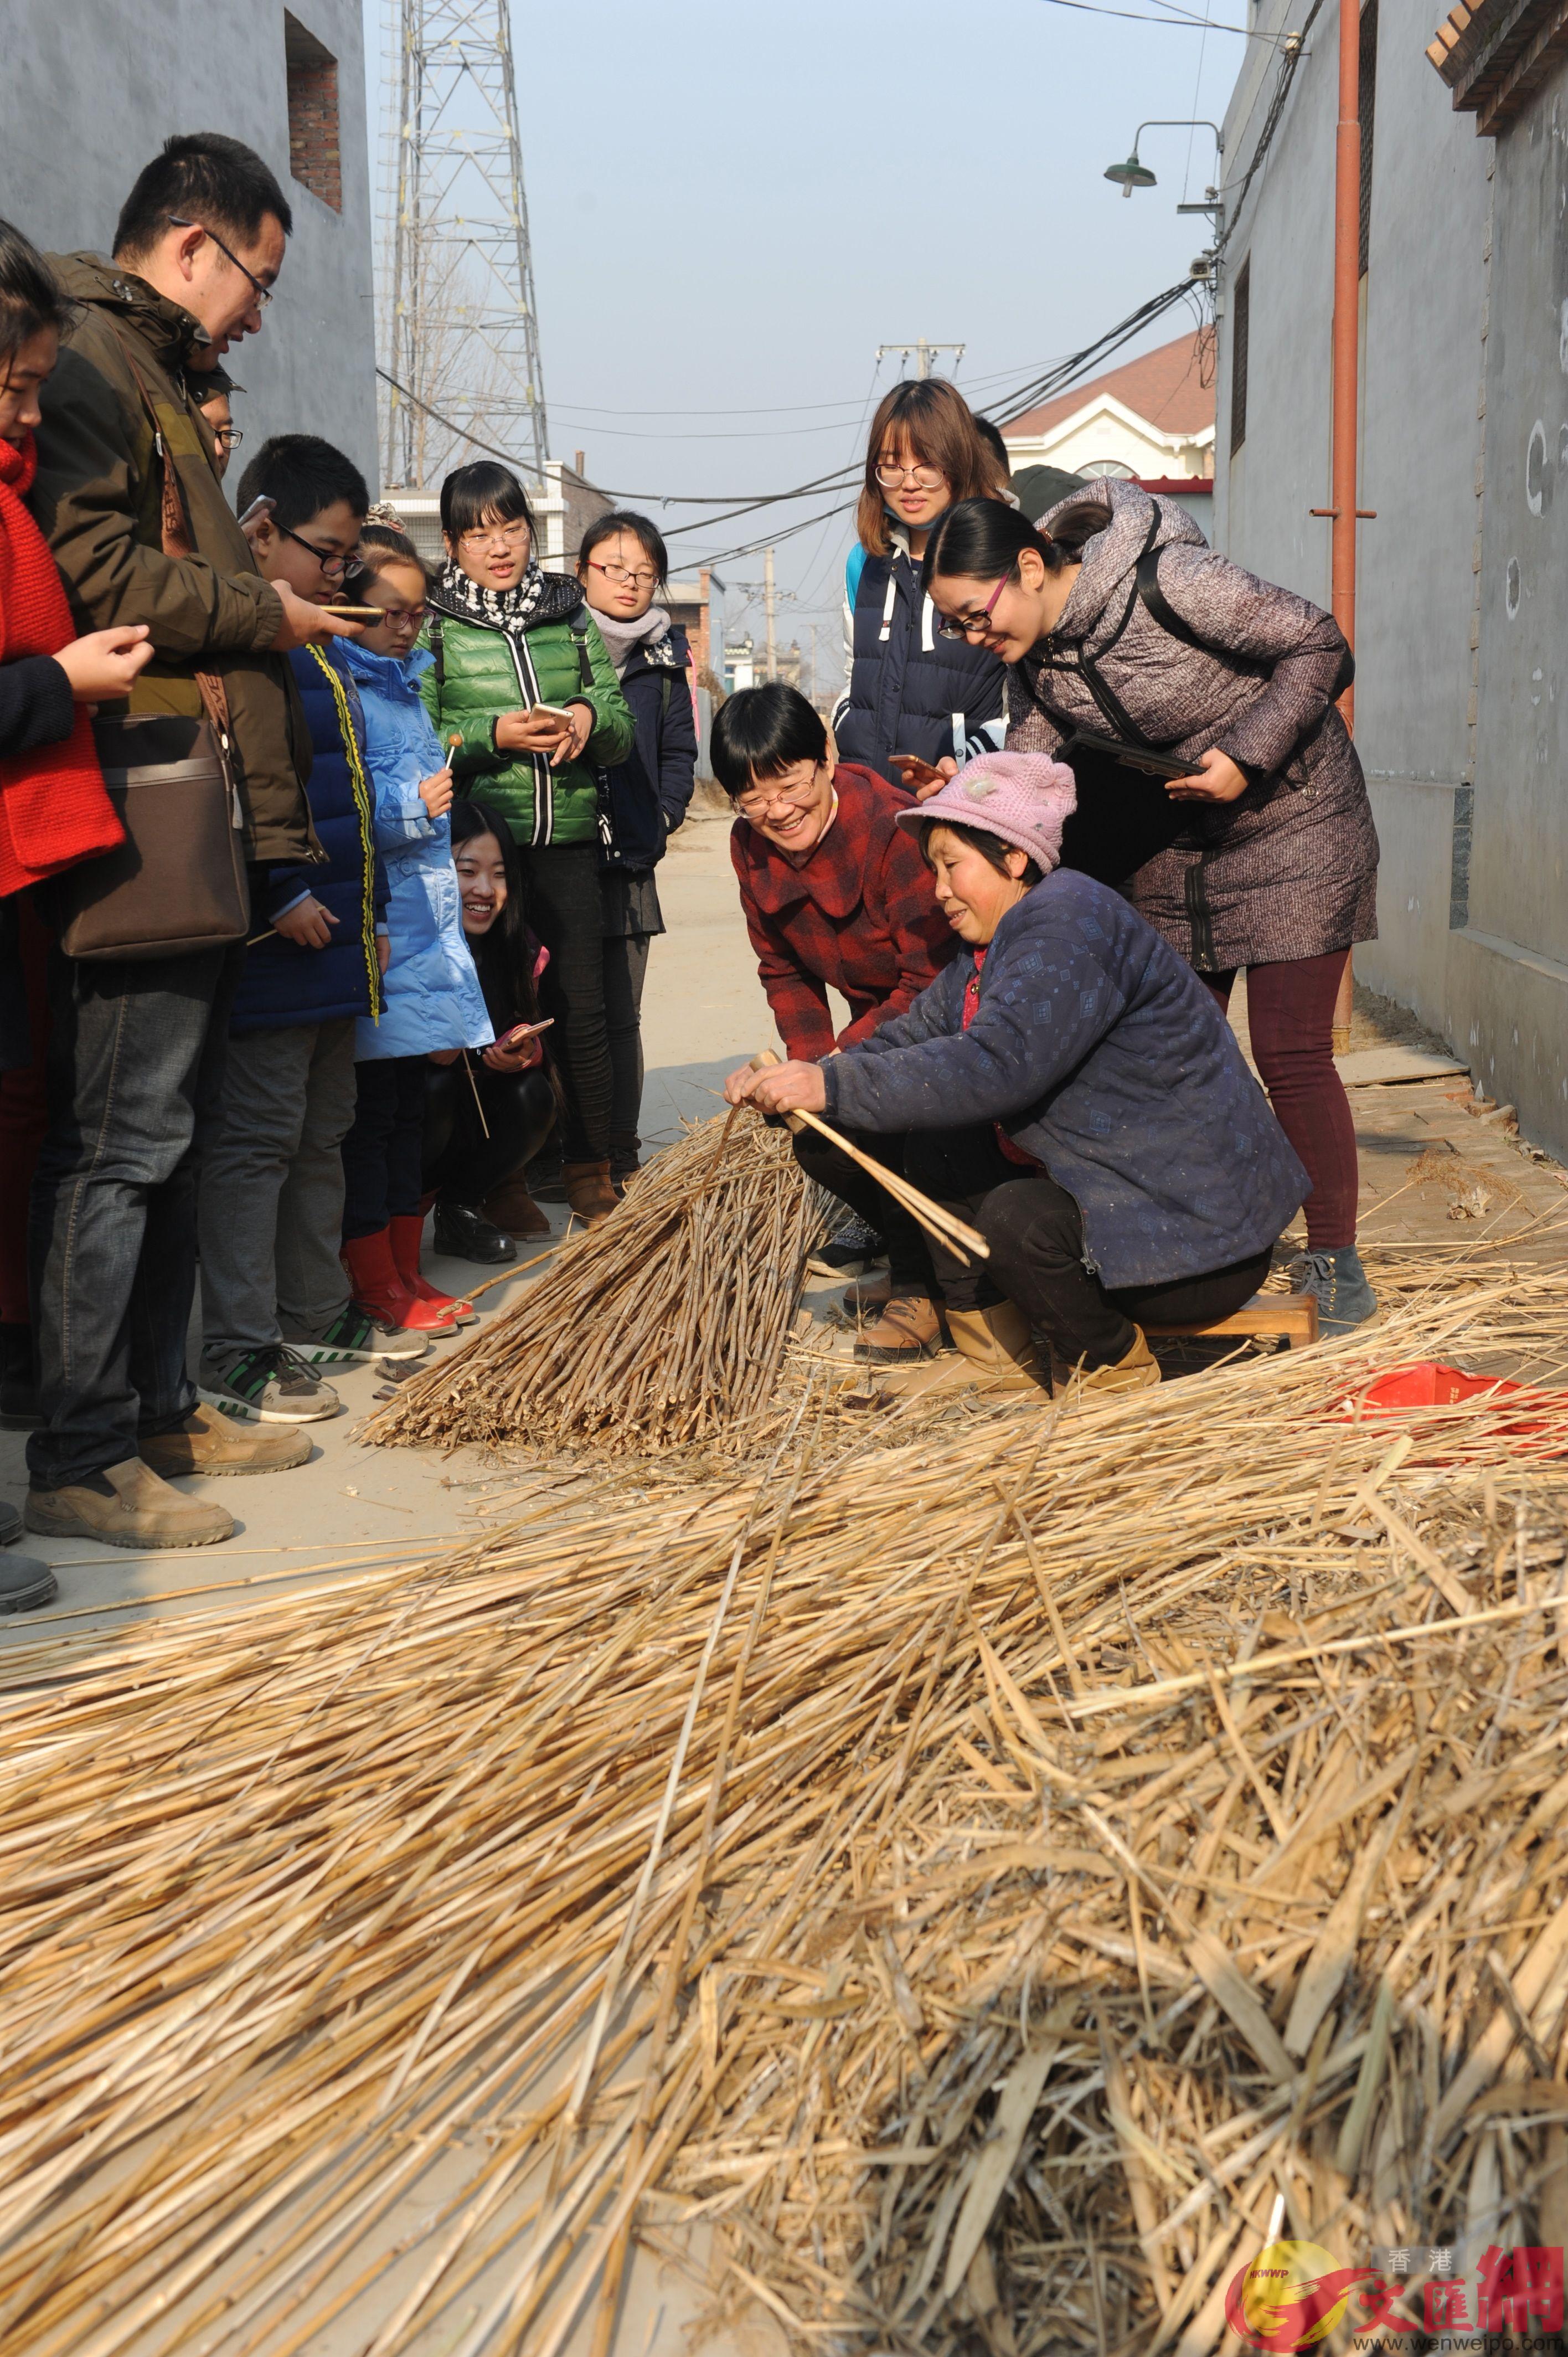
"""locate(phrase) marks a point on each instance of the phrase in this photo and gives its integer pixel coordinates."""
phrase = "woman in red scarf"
(54, 810)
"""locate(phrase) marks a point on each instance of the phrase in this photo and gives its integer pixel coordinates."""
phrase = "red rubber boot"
(407, 1235)
(379, 1291)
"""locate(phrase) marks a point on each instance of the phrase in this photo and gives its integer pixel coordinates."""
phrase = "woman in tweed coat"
(1114, 616)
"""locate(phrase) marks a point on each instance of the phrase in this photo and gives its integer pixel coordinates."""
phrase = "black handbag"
(177, 883)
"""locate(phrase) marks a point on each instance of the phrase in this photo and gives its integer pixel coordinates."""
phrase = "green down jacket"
(480, 671)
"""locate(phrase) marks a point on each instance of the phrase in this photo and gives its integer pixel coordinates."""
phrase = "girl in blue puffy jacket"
(434, 1002)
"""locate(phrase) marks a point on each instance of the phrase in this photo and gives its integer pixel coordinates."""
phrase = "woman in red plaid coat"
(835, 894)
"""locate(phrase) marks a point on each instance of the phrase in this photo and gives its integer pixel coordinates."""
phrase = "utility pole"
(923, 353)
(462, 325)
(769, 607)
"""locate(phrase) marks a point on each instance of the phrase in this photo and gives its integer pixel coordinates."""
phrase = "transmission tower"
(461, 323)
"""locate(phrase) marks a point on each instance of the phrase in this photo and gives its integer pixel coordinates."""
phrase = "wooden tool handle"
(948, 1230)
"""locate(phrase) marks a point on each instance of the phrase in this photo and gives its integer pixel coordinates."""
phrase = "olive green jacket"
(481, 671)
(98, 501)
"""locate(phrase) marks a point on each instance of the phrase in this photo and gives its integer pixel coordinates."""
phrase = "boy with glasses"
(272, 1188)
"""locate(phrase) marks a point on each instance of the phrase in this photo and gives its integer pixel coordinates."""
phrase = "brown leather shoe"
(871, 1295)
(209, 1442)
(588, 1190)
(134, 1508)
(513, 1210)
(910, 1328)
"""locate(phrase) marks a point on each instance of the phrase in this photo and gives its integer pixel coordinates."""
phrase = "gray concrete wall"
(1463, 578)
(1509, 973)
(91, 91)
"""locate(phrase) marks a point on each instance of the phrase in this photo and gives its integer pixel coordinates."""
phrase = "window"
(1368, 88)
(312, 152)
(1241, 319)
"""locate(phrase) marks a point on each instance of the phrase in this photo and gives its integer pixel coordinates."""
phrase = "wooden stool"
(1292, 1317)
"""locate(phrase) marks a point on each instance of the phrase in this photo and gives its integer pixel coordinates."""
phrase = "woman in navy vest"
(917, 705)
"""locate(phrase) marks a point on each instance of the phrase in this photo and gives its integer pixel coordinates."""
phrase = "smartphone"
(522, 1031)
(256, 511)
(343, 613)
(550, 712)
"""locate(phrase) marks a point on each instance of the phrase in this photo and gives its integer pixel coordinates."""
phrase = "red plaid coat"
(858, 913)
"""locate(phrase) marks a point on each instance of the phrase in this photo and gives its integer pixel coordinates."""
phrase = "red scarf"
(54, 808)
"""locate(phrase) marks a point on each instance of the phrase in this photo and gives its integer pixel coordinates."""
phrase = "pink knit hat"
(1022, 797)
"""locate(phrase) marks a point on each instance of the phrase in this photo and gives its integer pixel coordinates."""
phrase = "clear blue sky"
(732, 207)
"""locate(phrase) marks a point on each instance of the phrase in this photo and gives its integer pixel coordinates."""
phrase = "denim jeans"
(136, 1063)
(271, 1213)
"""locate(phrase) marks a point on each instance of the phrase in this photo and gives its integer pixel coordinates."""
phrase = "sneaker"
(352, 1337)
(853, 1251)
(126, 1505)
(1345, 1298)
(266, 1386)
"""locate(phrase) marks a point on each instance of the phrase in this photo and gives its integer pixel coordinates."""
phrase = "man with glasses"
(137, 1052)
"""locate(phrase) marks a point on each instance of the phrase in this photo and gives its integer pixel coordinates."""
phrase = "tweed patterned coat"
(1102, 1055)
(1290, 869)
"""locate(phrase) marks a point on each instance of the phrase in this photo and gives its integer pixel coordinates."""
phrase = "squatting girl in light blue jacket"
(433, 1005)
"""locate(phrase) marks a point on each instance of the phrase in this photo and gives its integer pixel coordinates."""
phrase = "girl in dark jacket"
(1116, 618)
(621, 564)
(918, 703)
(1071, 1089)
(486, 1114)
(521, 678)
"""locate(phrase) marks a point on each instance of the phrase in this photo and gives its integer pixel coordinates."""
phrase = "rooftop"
(1166, 386)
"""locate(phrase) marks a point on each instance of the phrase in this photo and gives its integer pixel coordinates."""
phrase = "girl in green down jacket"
(506, 639)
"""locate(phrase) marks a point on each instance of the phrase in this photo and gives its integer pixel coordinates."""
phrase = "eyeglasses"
(770, 796)
(263, 294)
(644, 578)
(228, 438)
(404, 618)
(924, 478)
(335, 568)
(483, 536)
(966, 626)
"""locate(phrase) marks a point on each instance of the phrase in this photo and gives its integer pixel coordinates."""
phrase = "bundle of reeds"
(986, 1871)
(664, 1325)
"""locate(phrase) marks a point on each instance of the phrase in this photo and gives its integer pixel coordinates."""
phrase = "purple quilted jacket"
(1290, 870)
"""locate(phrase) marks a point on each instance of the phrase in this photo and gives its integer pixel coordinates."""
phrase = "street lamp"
(1134, 174)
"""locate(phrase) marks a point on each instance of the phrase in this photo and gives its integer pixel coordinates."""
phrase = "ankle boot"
(379, 1289)
(511, 1209)
(588, 1191)
(996, 1353)
(407, 1233)
(1136, 1369)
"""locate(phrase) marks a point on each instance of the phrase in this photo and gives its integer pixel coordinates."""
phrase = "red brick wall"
(313, 145)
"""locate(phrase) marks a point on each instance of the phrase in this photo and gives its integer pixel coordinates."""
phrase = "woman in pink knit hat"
(1071, 1089)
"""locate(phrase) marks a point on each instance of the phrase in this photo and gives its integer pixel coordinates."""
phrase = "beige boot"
(588, 1191)
(139, 1511)
(995, 1354)
(1132, 1372)
(210, 1442)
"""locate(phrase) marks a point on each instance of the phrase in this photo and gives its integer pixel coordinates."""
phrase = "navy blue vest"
(910, 691)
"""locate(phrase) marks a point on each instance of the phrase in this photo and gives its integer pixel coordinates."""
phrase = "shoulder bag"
(177, 884)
